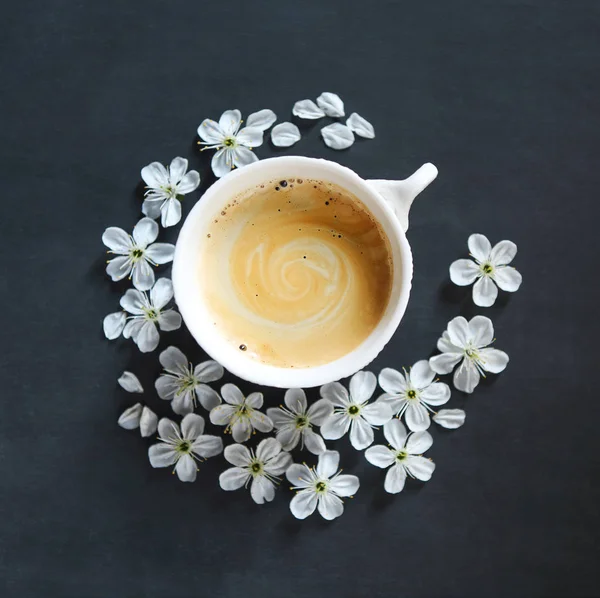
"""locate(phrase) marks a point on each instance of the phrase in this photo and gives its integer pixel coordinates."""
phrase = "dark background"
(502, 96)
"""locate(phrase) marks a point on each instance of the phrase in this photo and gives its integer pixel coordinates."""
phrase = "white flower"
(468, 341)
(183, 384)
(263, 468)
(295, 423)
(337, 136)
(362, 127)
(234, 146)
(412, 394)
(136, 253)
(241, 415)
(450, 418)
(490, 266)
(320, 488)
(285, 134)
(130, 382)
(404, 457)
(331, 104)
(166, 187)
(352, 411)
(147, 313)
(182, 447)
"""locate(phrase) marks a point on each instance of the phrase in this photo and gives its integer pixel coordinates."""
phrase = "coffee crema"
(296, 273)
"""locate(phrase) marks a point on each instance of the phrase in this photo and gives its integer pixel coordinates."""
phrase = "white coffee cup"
(388, 201)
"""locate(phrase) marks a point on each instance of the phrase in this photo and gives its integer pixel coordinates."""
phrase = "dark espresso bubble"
(243, 347)
(283, 183)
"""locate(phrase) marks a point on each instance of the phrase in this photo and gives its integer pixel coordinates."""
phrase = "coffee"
(296, 273)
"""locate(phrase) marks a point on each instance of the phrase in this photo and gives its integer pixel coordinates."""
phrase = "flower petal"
(221, 415)
(377, 413)
(335, 426)
(503, 253)
(299, 475)
(395, 479)
(208, 371)
(130, 382)
(380, 456)
(313, 442)
(278, 465)
(458, 331)
(444, 363)
(232, 394)
(143, 276)
(119, 268)
(392, 381)
(289, 436)
(450, 418)
(419, 467)
(237, 454)
(435, 394)
(148, 422)
(188, 183)
(133, 301)
(130, 418)
(242, 156)
(262, 490)
(117, 240)
(177, 169)
(169, 320)
(466, 377)
(260, 422)
(132, 329)
(395, 433)
(330, 506)
(250, 137)
(417, 417)
(241, 430)
(254, 400)
(162, 455)
(345, 485)
(210, 132)
(484, 292)
(421, 374)
(147, 338)
(303, 504)
(167, 429)
(207, 446)
(507, 278)
(362, 386)
(361, 434)
(481, 331)
(307, 109)
(295, 400)
(151, 207)
(230, 121)
(445, 345)
(464, 272)
(221, 163)
(328, 464)
(285, 134)
(113, 325)
(331, 104)
(480, 247)
(279, 417)
(192, 426)
(155, 175)
(262, 119)
(183, 404)
(233, 479)
(170, 212)
(493, 360)
(173, 360)
(335, 393)
(359, 125)
(267, 449)
(186, 469)
(319, 411)
(337, 136)
(145, 232)
(161, 293)
(207, 396)
(418, 443)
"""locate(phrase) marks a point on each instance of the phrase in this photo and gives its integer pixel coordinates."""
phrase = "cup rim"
(288, 377)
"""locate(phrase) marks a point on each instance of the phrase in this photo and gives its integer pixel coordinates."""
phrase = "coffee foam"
(296, 272)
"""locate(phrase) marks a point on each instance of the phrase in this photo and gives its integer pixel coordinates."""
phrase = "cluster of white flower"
(405, 408)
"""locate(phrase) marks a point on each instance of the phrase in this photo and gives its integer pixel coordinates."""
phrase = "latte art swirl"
(298, 274)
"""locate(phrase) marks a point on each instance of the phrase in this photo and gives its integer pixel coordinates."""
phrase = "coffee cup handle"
(401, 194)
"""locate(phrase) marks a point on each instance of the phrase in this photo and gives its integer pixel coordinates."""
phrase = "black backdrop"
(501, 95)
